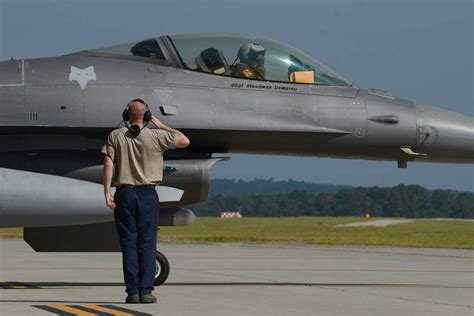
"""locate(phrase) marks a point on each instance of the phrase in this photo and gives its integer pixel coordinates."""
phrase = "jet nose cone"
(445, 136)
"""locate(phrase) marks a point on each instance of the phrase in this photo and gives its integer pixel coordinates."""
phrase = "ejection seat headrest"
(212, 60)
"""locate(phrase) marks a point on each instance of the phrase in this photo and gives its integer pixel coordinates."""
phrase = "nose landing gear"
(162, 269)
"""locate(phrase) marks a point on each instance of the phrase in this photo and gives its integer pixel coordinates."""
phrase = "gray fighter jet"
(227, 93)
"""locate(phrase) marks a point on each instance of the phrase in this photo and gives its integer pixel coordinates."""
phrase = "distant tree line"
(411, 201)
(268, 186)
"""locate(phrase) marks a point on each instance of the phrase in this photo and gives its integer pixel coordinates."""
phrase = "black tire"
(162, 269)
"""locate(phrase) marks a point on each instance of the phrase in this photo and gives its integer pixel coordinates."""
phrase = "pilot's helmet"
(250, 52)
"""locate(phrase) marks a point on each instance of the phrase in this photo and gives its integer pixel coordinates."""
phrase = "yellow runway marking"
(107, 310)
(71, 310)
(89, 309)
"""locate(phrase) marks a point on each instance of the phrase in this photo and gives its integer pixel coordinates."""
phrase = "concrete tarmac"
(227, 279)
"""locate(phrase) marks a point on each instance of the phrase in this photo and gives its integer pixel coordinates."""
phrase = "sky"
(418, 50)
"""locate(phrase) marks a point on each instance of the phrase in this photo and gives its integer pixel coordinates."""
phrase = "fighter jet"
(228, 93)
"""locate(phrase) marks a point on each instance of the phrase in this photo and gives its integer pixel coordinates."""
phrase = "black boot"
(147, 298)
(132, 299)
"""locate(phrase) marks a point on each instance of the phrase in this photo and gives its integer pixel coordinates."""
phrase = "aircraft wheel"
(162, 269)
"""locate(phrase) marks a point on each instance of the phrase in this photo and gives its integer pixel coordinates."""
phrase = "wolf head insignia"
(82, 76)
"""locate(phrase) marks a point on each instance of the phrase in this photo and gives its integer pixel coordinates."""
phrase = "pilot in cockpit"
(252, 60)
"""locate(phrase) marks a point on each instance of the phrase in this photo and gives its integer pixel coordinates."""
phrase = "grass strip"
(425, 233)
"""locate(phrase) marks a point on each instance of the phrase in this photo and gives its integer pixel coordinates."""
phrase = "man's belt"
(122, 186)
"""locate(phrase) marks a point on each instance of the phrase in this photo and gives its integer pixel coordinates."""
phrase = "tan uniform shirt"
(138, 161)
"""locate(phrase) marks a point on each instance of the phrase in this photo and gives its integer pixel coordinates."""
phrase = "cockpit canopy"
(256, 58)
(241, 56)
(148, 48)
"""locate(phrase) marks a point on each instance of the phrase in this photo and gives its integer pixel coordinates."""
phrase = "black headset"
(135, 129)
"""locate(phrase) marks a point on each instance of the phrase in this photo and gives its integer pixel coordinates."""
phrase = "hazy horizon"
(332, 184)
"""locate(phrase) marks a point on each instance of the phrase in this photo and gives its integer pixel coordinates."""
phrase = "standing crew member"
(136, 152)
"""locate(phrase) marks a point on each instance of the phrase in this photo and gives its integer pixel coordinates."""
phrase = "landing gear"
(162, 269)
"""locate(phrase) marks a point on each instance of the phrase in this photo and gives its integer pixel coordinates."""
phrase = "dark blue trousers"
(136, 218)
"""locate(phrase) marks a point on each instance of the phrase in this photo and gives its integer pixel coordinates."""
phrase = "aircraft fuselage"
(70, 103)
